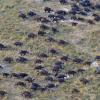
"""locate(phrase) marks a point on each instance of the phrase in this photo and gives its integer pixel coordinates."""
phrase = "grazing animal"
(35, 86)
(97, 18)
(85, 3)
(2, 46)
(74, 23)
(31, 35)
(39, 67)
(41, 33)
(97, 57)
(15, 75)
(83, 13)
(6, 75)
(81, 70)
(75, 90)
(51, 39)
(20, 84)
(22, 75)
(51, 16)
(27, 94)
(21, 60)
(60, 17)
(18, 44)
(55, 20)
(43, 89)
(58, 66)
(29, 79)
(48, 10)
(90, 21)
(53, 51)
(45, 20)
(78, 60)
(23, 52)
(88, 10)
(44, 27)
(31, 13)
(43, 55)
(8, 59)
(84, 81)
(63, 1)
(59, 63)
(19, 75)
(80, 19)
(87, 63)
(95, 14)
(71, 72)
(38, 61)
(62, 42)
(61, 78)
(49, 78)
(54, 30)
(3, 93)
(22, 15)
(97, 6)
(61, 12)
(1, 67)
(97, 70)
(44, 72)
(74, 10)
(64, 58)
(73, 17)
(51, 85)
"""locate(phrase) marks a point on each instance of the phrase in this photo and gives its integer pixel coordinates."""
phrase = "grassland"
(84, 42)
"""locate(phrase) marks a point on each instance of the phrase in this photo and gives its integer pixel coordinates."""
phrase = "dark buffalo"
(78, 60)
(71, 72)
(39, 67)
(29, 79)
(61, 12)
(8, 59)
(48, 10)
(20, 83)
(53, 51)
(44, 27)
(43, 55)
(31, 35)
(63, 1)
(2, 46)
(3, 93)
(18, 43)
(23, 52)
(50, 39)
(84, 81)
(31, 13)
(38, 61)
(22, 15)
(27, 94)
(97, 57)
(35, 86)
(21, 60)
(41, 33)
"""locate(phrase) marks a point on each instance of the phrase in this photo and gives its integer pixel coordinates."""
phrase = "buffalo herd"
(57, 72)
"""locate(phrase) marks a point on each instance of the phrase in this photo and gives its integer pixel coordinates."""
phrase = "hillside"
(49, 50)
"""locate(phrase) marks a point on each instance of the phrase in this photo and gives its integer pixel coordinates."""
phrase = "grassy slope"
(88, 35)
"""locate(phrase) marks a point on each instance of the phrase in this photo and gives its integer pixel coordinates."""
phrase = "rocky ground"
(49, 50)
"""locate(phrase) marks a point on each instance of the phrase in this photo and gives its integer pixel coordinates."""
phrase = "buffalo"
(48, 10)
(27, 94)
